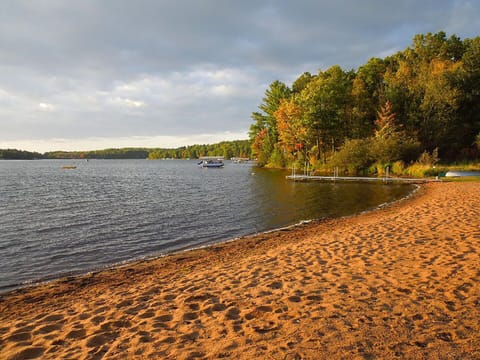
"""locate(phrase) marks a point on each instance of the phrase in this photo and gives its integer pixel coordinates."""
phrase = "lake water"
(56, 222)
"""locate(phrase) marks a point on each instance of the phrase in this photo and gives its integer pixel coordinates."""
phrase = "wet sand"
(399, 282)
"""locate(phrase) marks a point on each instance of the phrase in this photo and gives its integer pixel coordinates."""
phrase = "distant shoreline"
(228, 149)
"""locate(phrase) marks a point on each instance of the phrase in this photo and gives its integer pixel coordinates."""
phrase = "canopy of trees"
(14, 154)
(227, 149)
(420, 100)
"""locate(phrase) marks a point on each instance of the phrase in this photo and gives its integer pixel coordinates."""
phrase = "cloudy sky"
(92, 74)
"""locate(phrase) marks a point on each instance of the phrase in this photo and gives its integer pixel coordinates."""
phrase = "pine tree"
(385, 122)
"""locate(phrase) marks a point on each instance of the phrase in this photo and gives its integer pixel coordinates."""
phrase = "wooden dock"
(385, 180)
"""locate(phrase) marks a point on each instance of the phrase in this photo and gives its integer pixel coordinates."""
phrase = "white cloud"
(113, 72)
(128, 102)
(46, 107)
(223, 90)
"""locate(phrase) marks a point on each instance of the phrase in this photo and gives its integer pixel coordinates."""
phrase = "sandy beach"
(401, 282)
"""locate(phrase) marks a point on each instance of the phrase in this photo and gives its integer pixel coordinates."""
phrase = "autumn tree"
(302, 82)
(424, 83)
(439, 103)
(326, 101)
(391, 142)
(292, 132)
(265, 121)
(367, 93)
(468, 80)
(385, 122)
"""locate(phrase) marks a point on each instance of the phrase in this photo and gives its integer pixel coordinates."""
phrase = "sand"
(399, 282)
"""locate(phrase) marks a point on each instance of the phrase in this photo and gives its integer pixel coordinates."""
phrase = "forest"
(416, 108)
(14, 154)
(227, 149)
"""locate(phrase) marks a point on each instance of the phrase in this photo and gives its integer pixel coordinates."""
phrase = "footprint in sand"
(19, 337)
(33, 352)
(195, 355)
(264, 309)
(190, 337)
(164, 318)
(147, 314)
(266, 327)
(124, 303)
(294, 299)
(100, 310)
(189, 316)
(134, 310)
(258, 312)
(168, 340)
(276, 285)
(84, 316)
(48, 329)
(233, 314)
(76, 334)
(169, 297)
(53, 318)
(96, 341)
(97, 319)
(162, 321)
(194, 306)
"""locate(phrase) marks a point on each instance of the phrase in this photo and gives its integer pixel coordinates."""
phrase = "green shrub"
(398, 167)
(381, 169)
(354, 156)
(429, 159)
(277, 159)
(417, 170)
(422, 170)
(396, 147)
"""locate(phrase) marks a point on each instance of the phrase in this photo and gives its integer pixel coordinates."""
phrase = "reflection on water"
(56, 221)
(281, 201)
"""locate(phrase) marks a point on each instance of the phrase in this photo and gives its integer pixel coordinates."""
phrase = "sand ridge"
(400, 282)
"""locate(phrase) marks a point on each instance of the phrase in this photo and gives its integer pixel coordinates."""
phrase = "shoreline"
(398, 281)
(205, 245)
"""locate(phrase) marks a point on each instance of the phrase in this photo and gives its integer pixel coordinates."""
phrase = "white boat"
(239, 160)
(459, 173)
(211, 162)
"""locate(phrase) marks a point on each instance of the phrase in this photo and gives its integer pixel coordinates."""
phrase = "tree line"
(227, 149)
(422, 103)
(14, 154)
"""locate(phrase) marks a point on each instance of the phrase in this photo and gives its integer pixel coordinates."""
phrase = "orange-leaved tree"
(292, 132)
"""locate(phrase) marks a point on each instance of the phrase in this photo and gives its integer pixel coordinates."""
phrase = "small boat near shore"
(461, 173)
(69, 167)
(211, 163)
(239, 160)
